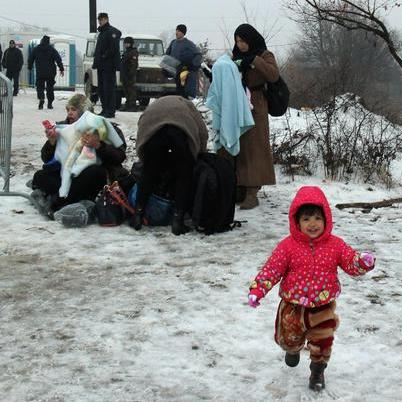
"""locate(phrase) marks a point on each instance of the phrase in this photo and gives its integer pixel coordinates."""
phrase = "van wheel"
(144, 101)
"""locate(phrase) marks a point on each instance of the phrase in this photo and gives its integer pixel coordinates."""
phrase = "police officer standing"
(128, 74)
(13, 61)
(107, 62)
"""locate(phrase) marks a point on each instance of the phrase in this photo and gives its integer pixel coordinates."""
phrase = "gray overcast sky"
(204, 19)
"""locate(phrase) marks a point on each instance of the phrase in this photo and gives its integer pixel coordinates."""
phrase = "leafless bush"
(344, 139)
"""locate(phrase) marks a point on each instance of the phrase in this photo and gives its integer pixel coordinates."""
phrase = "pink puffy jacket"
(308, 269)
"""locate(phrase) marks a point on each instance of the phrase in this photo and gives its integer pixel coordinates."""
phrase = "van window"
(151, 47)
(90, 48)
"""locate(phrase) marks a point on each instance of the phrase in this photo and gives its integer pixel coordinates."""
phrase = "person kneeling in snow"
(88, 182)
(306, 264)
(171, 134)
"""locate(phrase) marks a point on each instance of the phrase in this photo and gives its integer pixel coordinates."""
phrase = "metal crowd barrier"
(6, 118)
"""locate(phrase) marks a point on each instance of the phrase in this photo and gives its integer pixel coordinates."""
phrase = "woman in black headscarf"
(254, 164)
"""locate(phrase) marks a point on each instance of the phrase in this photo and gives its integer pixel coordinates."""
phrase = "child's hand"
(368, 259)
(253, 301)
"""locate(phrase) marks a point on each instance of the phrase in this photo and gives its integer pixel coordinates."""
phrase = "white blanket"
(71, 154)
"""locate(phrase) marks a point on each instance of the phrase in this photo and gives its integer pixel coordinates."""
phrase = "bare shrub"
(342, 138)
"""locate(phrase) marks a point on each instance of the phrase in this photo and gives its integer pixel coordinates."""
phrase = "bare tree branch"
(365, 15)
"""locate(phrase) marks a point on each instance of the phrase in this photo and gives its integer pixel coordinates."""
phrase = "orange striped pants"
(295, 324)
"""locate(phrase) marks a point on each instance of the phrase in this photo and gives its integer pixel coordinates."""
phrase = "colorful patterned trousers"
(295, 324)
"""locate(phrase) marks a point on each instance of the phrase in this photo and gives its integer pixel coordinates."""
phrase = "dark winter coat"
(129, 64)
(111, 157)
(45, 58)
(13, 59)
(107, 50)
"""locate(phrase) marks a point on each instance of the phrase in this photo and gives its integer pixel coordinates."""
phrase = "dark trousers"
(106, 90)
(167, 154)
(85, 186)
(190, 88)
(41, 83)
(130, 90)
(15, 77)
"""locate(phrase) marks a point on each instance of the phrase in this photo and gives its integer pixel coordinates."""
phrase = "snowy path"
(117, 315)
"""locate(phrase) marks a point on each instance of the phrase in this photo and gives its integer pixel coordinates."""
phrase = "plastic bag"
(76, 215)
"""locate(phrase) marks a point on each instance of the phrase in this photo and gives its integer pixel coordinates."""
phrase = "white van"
(151, 82)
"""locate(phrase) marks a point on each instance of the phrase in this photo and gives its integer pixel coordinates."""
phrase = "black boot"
(136, 220)
(241, 192)
(49, 105)
(41, 103)
(317, 380)
(292, 360)
(178, 226)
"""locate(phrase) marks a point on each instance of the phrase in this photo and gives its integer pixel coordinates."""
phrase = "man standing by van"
(13, 61)
(107, 62)
(190, 58)
(128, 74)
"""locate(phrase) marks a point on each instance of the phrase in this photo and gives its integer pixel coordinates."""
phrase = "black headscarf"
(252, 37)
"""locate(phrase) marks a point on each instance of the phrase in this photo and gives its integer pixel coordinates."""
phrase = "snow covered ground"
(98, 314)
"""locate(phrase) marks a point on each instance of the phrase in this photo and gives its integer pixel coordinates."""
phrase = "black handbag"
(277, 94)
(112, 206)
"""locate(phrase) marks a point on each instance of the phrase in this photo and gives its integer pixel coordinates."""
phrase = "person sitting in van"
(90, 181)
(171, 134)
(128, 74)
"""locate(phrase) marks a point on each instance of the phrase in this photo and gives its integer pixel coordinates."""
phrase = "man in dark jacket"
(128, 74)
(190, 58)
(13, 61)
(107, 62)
(45, 58)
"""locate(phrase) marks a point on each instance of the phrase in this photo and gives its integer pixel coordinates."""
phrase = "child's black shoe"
(292, 360)
(317, 380)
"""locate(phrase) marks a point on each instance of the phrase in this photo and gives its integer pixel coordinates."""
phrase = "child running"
(306, 264)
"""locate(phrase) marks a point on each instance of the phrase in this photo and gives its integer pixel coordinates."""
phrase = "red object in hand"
(50, 128)
(47, 124)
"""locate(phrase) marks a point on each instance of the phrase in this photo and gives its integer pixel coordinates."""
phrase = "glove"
(368, 259)
(253, 300)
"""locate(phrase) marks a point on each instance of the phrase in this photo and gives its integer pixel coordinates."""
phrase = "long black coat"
(107, 50)
(45, 58)
(13, 59)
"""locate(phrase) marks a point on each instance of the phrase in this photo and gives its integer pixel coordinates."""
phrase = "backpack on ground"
(214, 194)
(277, 94)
